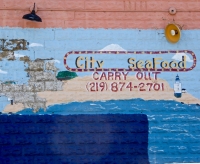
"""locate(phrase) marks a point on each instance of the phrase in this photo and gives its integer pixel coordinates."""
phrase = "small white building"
(177, 87)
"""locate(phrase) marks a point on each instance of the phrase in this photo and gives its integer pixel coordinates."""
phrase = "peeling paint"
(13, 44)
(42, 77)
(8, 47)
(50, 66)
(35, 66)
(25, 59)
(9, 55)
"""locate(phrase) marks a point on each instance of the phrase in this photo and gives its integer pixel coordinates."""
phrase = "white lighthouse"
(177, 87)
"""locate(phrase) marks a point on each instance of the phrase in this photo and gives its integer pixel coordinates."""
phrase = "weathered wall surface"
(104, 57)
(141, 14)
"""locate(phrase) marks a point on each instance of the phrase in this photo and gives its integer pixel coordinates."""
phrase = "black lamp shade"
(32, 16)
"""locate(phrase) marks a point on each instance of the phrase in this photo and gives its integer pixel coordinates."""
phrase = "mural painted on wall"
(101, 80)
(107, 71)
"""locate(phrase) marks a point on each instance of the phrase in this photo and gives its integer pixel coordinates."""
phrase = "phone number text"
(122, 86)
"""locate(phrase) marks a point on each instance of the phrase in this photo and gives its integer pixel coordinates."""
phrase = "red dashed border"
(128, 69)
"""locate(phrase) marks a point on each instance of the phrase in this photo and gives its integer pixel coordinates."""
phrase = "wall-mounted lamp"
(173, 32)
(32, 16)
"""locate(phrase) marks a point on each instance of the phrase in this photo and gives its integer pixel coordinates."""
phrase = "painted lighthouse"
(177, 87)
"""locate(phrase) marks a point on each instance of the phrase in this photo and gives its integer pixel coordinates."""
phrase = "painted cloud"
(35, 45)
(55, 61)
(18, 55)
(113, 47)
(178, 56)
(3, 72)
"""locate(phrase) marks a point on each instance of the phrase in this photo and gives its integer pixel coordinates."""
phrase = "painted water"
(132, 106)
(174, 130)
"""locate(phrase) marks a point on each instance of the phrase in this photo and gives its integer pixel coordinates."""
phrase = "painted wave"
(132, 106)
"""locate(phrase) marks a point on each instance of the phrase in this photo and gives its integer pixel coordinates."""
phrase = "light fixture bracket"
(36, 9)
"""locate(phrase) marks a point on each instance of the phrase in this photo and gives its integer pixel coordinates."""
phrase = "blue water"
(174, 127)
(132, 106)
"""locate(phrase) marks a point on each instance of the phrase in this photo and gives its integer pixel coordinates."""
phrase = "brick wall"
(141, 14)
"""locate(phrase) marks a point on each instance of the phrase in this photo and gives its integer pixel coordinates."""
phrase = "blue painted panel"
(73, 139)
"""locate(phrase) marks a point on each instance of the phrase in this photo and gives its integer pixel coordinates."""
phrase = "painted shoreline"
(75, 90)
